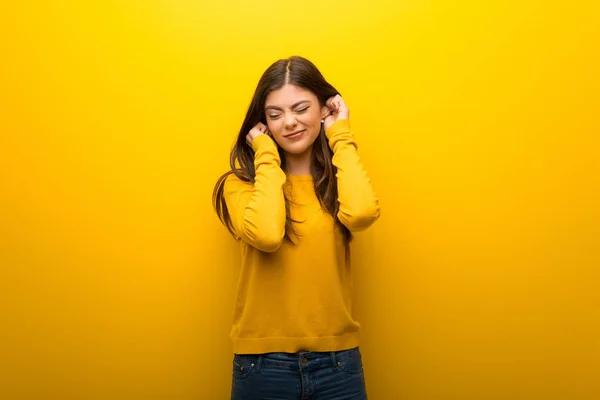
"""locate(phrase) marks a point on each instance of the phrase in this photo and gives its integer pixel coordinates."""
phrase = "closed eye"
(275, 116)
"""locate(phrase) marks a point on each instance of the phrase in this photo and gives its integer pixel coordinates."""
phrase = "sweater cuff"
(261, 141)
(339, 126)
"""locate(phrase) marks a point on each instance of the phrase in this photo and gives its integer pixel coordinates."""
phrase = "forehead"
(288, 95)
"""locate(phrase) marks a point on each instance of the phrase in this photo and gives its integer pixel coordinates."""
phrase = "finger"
(331, 106)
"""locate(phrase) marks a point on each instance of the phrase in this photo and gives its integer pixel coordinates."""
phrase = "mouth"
(295, 134)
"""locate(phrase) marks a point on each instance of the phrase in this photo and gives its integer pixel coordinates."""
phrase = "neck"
(298, 164)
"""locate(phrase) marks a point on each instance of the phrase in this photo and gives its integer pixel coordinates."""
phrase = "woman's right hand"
(258, 129)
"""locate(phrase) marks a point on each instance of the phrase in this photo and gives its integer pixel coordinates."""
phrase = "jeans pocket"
(349, 361)
(243, 365)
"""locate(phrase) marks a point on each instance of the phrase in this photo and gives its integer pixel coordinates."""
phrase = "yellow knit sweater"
(293, 297)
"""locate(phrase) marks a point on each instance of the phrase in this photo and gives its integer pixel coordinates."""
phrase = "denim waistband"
(301, 359)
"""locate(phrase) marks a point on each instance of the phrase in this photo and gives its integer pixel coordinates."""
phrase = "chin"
(295, 149)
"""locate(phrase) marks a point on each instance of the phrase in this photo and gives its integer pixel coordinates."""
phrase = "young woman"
(295, 193)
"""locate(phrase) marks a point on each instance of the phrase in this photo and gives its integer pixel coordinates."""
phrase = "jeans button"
(304, 361)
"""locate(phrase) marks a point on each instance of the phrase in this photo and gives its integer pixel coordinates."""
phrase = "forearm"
(258, 210)
(359, 205)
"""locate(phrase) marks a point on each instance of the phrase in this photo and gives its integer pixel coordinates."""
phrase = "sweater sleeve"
(359, 206)
(257, 210)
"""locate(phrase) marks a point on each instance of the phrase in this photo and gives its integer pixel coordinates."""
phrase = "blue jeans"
(335, 375)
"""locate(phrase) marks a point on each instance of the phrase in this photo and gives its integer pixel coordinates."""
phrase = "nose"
(290, 121)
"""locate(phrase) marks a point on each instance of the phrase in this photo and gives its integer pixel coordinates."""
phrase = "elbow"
(268, 244)
(267, 239)
(360, 220)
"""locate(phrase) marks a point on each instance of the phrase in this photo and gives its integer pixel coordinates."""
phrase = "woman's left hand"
(337, 110)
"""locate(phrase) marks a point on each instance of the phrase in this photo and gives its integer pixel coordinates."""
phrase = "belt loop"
(259, 362)
(332, 353)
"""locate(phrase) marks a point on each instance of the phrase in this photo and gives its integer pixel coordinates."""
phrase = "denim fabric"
(336, 375)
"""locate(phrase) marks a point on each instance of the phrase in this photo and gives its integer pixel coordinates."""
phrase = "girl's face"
(294, 118)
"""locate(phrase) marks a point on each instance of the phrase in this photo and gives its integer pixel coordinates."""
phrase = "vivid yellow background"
(477, 121)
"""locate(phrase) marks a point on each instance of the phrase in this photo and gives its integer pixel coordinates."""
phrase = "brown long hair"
(301, 72)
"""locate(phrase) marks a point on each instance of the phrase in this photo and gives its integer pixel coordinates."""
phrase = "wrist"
(261, 141)
(338, 126)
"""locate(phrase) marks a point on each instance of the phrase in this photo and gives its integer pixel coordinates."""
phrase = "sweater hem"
(294, 344)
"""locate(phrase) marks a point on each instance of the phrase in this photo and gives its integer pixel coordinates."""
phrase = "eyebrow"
(295, 105)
